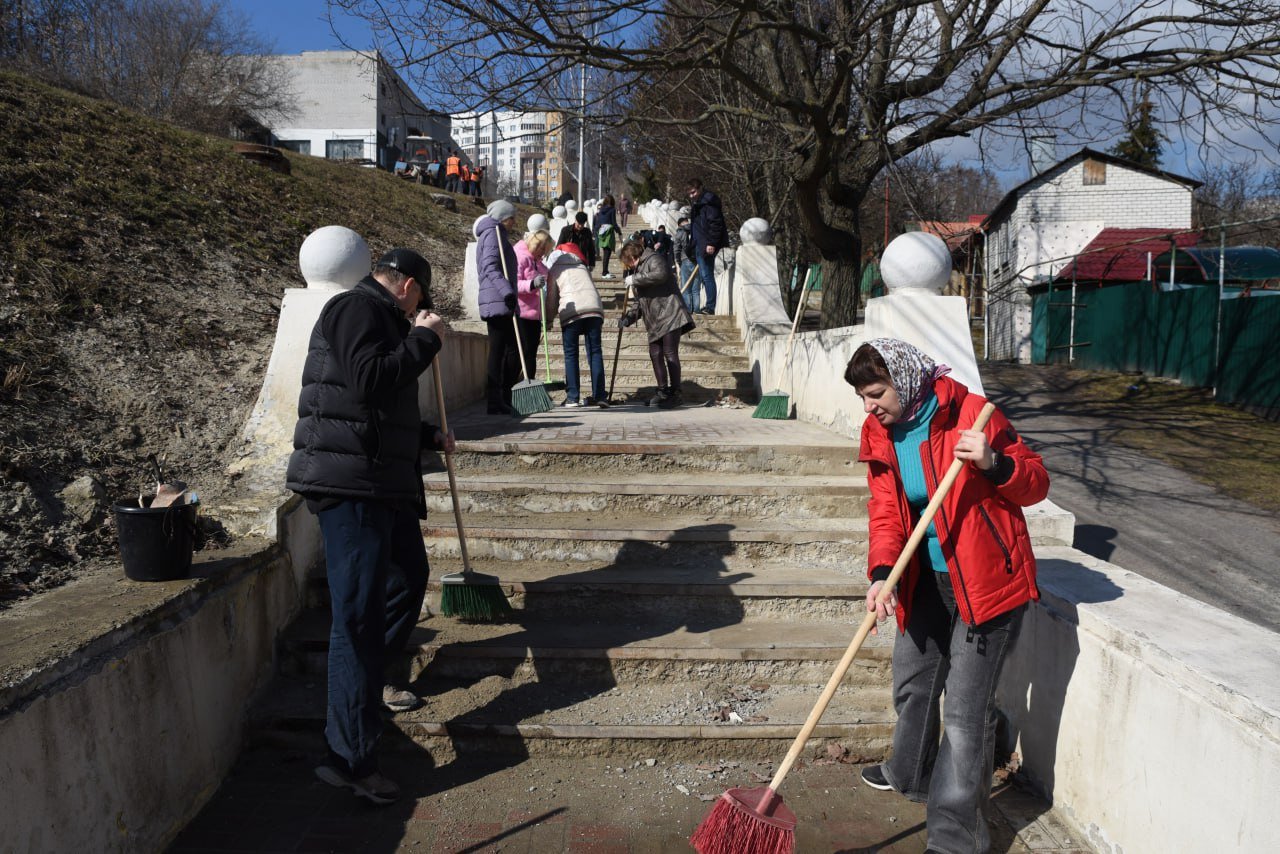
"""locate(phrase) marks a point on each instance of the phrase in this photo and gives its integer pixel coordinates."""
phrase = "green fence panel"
(1249, 373)
(1181, 343)
(1039, 325)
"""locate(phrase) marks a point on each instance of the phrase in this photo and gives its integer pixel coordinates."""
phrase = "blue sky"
(298, 25)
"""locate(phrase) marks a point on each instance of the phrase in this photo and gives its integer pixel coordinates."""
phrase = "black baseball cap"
(413, 265)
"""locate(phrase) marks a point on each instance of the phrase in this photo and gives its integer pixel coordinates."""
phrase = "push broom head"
(530, 397)
(775, 404)
(474, 596)
(747, 821)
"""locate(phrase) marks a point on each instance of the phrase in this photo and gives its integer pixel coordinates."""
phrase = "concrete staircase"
(684, 582)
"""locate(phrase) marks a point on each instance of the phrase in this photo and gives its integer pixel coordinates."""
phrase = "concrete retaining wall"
(122, 704)
(1151, 720)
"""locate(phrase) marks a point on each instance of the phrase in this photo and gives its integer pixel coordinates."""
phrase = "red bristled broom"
(756, 821)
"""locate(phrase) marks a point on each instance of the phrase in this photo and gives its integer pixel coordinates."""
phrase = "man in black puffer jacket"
(356, 461)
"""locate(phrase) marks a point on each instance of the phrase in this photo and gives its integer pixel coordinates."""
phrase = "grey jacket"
(658, 298)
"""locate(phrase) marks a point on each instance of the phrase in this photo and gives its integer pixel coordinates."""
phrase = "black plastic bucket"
(156, 542)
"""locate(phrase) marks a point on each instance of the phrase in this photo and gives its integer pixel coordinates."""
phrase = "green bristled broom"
(467, 595)
(528, 397)
(777, 403)
(552, 385)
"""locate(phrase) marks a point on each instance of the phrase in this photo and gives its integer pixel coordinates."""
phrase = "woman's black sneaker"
(674, 398)
(874, 777)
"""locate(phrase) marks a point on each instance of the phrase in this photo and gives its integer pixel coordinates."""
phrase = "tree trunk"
(840, 279)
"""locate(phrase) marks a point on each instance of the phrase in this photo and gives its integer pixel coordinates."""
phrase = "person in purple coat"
(496, 267)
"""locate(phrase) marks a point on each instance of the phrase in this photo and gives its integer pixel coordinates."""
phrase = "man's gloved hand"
(625, 320)
(629, 280)
(538, 283)
(510, 300)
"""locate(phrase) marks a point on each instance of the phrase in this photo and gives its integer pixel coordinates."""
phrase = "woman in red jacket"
(960, 603)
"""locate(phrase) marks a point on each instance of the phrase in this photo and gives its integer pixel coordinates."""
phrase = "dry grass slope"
(141, 272)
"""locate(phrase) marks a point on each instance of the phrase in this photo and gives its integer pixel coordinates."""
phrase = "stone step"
(546, 589)
(684, 440)
(580, 647)
(671, 721)
(635, 358)
(710, 541)
(668, 494)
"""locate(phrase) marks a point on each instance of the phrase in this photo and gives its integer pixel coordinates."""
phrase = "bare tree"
(847, 88)
(192, 62)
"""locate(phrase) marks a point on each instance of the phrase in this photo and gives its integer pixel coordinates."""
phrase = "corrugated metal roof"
(1120, 254)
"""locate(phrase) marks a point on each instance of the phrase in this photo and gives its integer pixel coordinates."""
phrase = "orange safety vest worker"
(451, 165)
(466, 173)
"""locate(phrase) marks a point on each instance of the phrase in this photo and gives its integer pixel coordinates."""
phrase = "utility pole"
(582, 130)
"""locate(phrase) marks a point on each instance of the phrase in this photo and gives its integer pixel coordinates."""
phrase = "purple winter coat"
(496, 282)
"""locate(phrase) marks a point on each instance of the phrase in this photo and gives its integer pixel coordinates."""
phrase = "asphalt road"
(1144, 515)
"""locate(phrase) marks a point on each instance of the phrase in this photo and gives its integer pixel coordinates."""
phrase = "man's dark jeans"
(707, 269)
(938, 653)
(377, 567)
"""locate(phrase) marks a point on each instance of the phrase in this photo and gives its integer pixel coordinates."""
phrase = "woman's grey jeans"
(940, 653)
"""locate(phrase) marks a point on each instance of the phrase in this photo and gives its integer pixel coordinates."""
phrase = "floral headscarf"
(911, 371)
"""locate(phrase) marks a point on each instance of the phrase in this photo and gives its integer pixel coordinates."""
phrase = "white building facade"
(1039, 226)
(353, 106)
(533, 155)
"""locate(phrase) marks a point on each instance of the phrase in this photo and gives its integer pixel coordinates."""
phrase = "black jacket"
(583, 237)
(706, 223)
(359, 432)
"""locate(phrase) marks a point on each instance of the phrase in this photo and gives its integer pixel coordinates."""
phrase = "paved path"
(271, 803)
(1142, 514)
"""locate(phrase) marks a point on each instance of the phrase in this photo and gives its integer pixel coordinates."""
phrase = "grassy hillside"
(141, 271)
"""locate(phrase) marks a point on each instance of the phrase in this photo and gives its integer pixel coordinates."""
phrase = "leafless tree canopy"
(192, 62)
(839, 89)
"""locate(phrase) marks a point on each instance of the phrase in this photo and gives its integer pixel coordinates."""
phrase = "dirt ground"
(141, 273)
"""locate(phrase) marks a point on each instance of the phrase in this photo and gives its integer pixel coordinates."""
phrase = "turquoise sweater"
(907, 437)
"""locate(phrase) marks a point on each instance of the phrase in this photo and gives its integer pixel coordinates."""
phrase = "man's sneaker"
(572, 404)
(600, 402)
(874, 777)
(399, 699)
(674, 399)
(608, 276)
(374, 787)
(705, 311)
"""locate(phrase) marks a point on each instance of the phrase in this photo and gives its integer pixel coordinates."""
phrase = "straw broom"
(756, 821)
(467, 595)
(777, 403)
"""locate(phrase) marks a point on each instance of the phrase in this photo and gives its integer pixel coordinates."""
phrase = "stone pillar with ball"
(915, 268)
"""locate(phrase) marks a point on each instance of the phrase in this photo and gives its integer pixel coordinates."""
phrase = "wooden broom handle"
(786, 363)
(904, 558)
(515, 318)
(689, 281)
(617, 349)
(448, 463)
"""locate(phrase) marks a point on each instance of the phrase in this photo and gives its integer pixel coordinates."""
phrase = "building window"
(1095, 172)
(302, 146)
(344, 149)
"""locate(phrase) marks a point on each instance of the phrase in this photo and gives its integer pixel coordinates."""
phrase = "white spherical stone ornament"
(333, 258)
(559, 212)
(916, 261)
(570, 206)
(673, 206)
(536, 223)
(756, 230)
